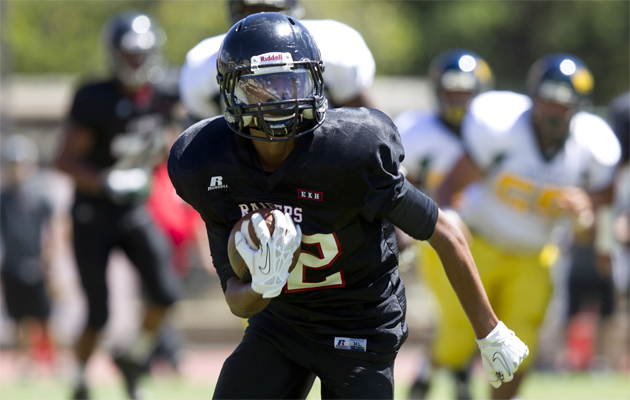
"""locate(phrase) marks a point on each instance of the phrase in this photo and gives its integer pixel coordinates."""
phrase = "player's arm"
(417, 215)
(420, 217)
(452, 248)
(592, 222)
(77, 143)
(239, 296)
(464, 172)
(242, 300)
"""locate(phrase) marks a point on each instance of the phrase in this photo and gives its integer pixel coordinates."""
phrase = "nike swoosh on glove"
(501, 353)
(269, 264)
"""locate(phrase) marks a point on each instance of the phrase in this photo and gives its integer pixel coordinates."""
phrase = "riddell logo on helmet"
(272, 57)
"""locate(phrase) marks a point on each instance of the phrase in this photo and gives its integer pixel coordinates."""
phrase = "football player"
(537, 159)
(333, 175)
(349, 63)
(113, 139)
(27, 227)
(432, 144)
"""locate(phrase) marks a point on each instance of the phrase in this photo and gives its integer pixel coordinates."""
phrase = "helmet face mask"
(135, 70)
(454, 104)
(458, 76)
(558, 92)
(270, 92)
(551, 120)
(134, 42)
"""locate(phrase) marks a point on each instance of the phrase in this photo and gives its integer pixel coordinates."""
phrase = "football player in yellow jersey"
(536, 159)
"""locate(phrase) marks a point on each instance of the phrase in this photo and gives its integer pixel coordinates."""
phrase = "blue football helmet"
(458, 75)
(559, 85)
(560, 78)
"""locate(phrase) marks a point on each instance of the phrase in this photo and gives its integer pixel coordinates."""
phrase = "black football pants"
(286, 366)
(99, 227)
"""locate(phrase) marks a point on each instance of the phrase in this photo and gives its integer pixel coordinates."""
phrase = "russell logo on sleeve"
(216, 182)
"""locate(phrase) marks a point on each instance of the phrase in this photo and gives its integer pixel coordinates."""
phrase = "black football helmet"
(240, 9)
(270, 75)
(134, 42)
(458, 75)
(560, 78)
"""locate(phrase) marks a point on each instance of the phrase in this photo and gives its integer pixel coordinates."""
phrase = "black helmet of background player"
(458, 75)
(240, 9)
(134, 42)
(270, 75)
(559, 85)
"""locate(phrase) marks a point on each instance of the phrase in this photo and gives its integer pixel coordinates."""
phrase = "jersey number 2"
(327, 246)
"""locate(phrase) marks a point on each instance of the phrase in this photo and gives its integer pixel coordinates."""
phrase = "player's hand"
(125, 186)
(502, 353)
(577, 203)
(269, 264)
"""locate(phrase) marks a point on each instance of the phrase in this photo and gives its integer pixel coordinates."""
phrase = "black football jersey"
(129, 128)
(339, 183)
(23, 214)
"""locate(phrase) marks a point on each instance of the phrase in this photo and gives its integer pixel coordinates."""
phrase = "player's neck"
(549, 149)
(272, 154)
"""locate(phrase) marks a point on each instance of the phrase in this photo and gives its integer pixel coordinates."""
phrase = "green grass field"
(539, 386)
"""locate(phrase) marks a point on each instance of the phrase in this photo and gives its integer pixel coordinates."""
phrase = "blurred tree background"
(60, 37)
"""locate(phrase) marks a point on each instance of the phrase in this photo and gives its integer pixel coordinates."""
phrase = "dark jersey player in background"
(113, 139)
(340, 314)
(27, 228)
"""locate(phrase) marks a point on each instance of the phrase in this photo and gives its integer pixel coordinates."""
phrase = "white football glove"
(501, 352)
(269, 264)
(125, 186)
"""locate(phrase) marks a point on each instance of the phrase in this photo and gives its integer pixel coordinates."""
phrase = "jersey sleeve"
(198, 79)
(487, 125)
(382, 158)
(187, 161)
(414, 212)
(604, 151)
(350, 66)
